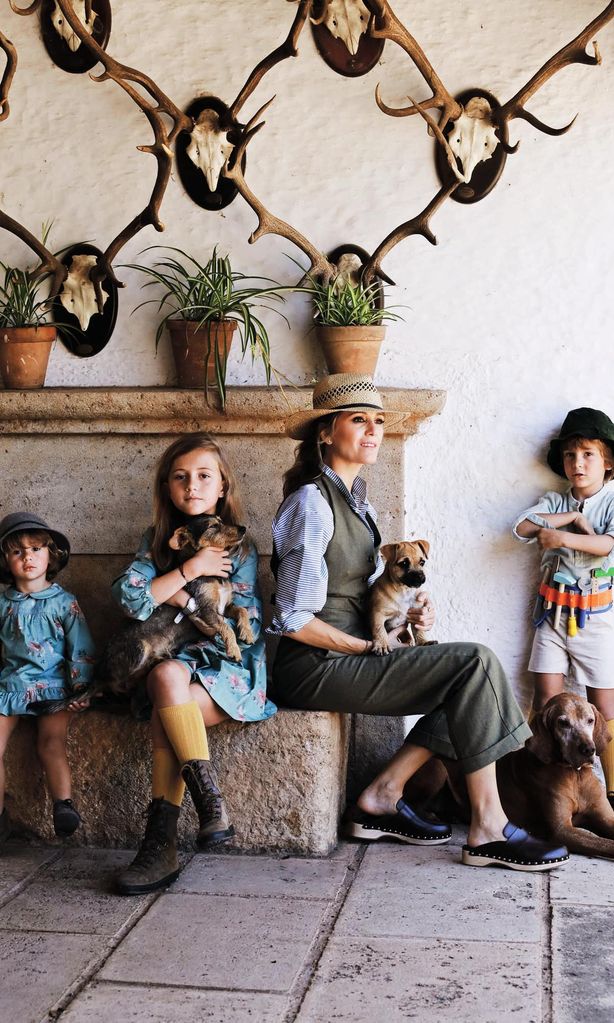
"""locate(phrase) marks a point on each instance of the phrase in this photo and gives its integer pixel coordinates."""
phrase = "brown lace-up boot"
(155, 864)
(202, 783)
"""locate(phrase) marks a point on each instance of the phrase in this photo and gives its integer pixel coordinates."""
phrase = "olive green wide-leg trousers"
(470, 712)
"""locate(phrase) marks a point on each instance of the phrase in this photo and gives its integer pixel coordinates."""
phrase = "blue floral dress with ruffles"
(47, 650)
(239, 689)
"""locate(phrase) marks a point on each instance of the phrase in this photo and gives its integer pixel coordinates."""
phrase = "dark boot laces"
(208, 795)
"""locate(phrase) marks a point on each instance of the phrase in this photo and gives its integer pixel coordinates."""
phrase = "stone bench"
(283, 780)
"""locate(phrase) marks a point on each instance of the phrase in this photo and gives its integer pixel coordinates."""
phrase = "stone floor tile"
(587, 880)
(87, 864)
(18, 861)
(70, 907)
(447, 982)
(582, 964)
(35, 970)
(265, 875)
(217, 941)
(131, 1003)
(420, 892)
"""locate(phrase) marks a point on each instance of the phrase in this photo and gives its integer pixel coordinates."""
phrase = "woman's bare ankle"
(380, 797)
(486, 829)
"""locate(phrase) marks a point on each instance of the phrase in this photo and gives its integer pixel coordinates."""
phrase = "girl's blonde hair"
(165, 514)
(41, 538)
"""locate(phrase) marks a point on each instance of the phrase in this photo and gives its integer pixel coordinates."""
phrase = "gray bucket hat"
(27, 522)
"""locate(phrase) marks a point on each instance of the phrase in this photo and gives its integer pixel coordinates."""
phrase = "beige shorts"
(588, 656)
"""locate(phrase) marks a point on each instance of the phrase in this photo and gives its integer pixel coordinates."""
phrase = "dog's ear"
(180, 538)
(542, 744)
(387, 552)
(601, 735)
(424, 546)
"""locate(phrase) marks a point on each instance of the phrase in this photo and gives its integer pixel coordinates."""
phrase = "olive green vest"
(350, 559)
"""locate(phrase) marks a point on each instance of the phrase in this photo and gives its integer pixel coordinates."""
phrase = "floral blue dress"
(47, 650)
(239, 689)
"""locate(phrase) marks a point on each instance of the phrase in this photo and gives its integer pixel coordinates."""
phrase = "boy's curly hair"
(39, 537)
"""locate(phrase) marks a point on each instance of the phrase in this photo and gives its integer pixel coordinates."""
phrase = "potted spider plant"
(349, 320)
(26, 338)
(207, 303)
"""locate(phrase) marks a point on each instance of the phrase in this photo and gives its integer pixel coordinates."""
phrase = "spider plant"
(20, 301)
(343, 302)
(213, 292)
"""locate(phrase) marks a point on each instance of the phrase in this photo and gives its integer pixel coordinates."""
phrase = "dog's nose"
(586, 749)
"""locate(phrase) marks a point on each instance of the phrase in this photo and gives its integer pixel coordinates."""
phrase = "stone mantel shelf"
(161, 410)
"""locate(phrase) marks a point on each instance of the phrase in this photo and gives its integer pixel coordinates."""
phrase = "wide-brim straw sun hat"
(26, 522)
(341, 392)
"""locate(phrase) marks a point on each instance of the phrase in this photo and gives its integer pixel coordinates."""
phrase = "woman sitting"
(325, 556)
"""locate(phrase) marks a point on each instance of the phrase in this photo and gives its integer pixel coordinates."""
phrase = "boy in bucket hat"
(47, 653)
(575, 532)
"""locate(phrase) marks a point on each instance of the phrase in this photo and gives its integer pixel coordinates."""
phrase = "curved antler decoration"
(124, 76)
(478, 126)
(8, 75)
(417, 225)
(573, 53)
(50, 264)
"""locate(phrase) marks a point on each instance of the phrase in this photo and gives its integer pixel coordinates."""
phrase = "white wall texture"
(510, 313)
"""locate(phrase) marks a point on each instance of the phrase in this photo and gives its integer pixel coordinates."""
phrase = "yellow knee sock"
(185, 731)
(607, 759)
(166, 781)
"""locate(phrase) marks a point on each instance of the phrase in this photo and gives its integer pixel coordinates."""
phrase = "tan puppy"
(394, 592)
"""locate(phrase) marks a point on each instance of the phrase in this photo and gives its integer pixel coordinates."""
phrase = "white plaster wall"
(510, 313)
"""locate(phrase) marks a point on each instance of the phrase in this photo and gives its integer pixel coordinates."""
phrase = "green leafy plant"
(212, 292)
(20, 301)
(342, 303)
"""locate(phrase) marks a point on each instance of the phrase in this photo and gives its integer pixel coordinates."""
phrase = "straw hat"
(341, 392)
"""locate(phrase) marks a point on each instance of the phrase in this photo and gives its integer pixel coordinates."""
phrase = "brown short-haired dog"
(549, 786)
(394, 592)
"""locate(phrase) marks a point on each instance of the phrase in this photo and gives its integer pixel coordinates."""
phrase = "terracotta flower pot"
(350, 349)
(24, 355)
(194, 349)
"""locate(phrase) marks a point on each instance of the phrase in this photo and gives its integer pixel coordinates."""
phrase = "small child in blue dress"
(47, 654)
(200, 686)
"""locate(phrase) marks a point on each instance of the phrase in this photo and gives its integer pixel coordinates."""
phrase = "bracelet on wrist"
(182, 573)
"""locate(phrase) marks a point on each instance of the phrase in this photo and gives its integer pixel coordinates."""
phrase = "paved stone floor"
(379, 933)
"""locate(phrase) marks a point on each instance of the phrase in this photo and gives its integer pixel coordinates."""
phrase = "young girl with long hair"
(201, 686)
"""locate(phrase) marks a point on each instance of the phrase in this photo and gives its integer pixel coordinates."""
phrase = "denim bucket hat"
(580, 422)
(26, 522)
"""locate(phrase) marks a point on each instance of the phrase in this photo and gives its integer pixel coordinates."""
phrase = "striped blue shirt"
(302, 531)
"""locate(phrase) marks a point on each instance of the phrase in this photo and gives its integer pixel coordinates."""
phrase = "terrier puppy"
(393, 593)
(133, 651)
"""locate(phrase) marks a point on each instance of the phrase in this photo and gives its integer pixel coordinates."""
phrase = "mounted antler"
(8, 75)
(573, 53)
(154, 108)
(417, 225)
(267, 222)
(478, 126)
(216, 129)
(50, 264)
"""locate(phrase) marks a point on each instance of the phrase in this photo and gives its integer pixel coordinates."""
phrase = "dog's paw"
(234, 652)
(246, 635)
(380, 649)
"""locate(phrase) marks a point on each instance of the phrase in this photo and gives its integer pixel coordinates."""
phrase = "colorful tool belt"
(573, 597)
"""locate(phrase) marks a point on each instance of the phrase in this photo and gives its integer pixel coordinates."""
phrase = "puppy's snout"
(414, 578)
